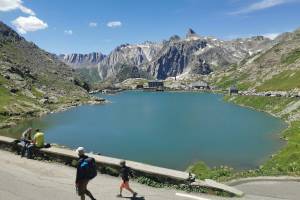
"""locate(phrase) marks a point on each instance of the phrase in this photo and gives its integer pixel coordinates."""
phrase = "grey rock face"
(76, 60)
(202, 55)
(174, 58)
(127, 55)
(193, 54)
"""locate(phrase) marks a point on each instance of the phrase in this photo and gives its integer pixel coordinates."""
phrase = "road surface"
(23, 179)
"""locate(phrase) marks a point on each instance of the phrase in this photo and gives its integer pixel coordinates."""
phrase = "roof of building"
(199, 84)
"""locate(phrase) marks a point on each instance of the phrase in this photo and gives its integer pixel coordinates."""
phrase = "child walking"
(125, 172)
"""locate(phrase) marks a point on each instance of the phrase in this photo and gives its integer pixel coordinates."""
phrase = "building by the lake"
(233, 90)
(200, 85)
(157, 85)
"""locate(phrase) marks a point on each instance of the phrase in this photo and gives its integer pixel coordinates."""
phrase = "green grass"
(90, 75)
(270, 104)
(287, 160)
(244, 85)
(291, 57)
(5, 98)
(228, 81)
(36, 93)
(202, 171)
(283, 81)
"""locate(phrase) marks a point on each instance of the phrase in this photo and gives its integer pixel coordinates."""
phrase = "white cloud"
(29, 24)
(272, 36)
(9, 5)
(93, 24)
(68, 32)
(114, 24)
(261, 5)
(267, 35)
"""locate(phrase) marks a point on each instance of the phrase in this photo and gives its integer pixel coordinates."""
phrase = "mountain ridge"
(192, 54)
(33, 81)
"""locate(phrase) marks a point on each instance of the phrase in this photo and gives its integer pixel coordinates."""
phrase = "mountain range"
(192, 54)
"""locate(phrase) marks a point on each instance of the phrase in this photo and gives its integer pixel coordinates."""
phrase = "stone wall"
(109, 165)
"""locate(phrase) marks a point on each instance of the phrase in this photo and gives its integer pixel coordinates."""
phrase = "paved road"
(273, 189)
(22, 179)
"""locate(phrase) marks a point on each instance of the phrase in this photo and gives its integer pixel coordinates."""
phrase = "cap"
(80, 150)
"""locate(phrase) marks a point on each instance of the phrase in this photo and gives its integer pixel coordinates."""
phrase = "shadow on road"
(134, 198)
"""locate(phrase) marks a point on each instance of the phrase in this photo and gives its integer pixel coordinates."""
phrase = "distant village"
(200, 86)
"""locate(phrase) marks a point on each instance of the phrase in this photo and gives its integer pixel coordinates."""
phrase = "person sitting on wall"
(39, 139)
(25, 141)
(37, 143)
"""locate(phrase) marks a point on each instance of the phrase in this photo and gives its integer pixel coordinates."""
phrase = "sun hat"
(80, 150)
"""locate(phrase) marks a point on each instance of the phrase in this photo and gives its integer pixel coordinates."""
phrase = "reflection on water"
(17, 131)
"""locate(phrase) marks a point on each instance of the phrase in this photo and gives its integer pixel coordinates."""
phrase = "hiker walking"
(86, 170)
(125, 172)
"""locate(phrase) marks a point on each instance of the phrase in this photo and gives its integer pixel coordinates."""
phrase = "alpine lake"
(168, 129)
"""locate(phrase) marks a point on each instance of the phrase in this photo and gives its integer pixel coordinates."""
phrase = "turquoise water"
(167, 129)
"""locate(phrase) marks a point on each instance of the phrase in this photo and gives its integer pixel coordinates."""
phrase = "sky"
(84, 26)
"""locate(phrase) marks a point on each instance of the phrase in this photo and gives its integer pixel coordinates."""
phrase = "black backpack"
(88, 168)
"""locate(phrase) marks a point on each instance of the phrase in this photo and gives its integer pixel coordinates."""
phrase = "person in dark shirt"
(26, 139)
(125, 172)
(81, 180)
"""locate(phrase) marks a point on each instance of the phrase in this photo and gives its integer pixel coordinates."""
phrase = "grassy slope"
(16, 104)
(274, 70)
(286, 80)
(35, 74)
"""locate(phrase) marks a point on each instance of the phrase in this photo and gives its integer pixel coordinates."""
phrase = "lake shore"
(12, 121)
(225, 170)
(283, 162)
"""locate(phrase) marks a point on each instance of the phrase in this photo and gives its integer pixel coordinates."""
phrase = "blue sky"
(67, 26)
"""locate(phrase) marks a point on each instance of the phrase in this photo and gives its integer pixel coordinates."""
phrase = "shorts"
(125, 184)
(82, 187)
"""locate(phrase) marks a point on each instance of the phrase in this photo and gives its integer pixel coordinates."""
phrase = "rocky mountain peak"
(259, 38)
(190, 33)
(174, 38)
(7, 33)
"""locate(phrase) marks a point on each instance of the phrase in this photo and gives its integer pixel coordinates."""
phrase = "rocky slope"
(177, 56)
(125, 61)
(76, 60)
(276, 69)
(33, 81)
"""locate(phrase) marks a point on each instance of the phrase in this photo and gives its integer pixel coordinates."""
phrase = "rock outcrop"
(29, 76)
(76, 60)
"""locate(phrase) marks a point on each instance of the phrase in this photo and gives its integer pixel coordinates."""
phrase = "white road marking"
(190, 196)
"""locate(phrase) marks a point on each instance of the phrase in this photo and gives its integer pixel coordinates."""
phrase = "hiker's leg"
(87, 192)
(121, 187)
(126, 185)
(21, 148)
(130, 190)
(81, 190)
(30, 150)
